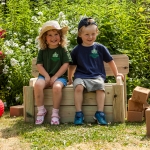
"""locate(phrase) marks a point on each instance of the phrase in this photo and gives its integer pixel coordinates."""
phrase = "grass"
(18, 135)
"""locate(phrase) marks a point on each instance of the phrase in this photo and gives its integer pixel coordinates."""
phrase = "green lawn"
(17, 135)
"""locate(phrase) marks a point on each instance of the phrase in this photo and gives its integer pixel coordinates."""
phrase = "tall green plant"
(124, 28)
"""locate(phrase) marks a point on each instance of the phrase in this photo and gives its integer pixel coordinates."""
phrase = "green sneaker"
(100, 117)
(79, 117)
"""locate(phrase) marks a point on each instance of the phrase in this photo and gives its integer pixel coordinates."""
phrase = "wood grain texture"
(115, 100)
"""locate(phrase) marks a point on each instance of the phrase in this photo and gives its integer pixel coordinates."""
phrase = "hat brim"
(79, 40)
(64, 30)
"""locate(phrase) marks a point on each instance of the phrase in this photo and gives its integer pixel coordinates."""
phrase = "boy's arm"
(114, 69)
(71, 71)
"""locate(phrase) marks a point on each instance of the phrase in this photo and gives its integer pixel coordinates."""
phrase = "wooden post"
(28, 104)
(148, 122)
(118, 104)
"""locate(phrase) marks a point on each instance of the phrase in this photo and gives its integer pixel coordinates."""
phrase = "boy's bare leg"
(100, 99)
(78, 97)
(99, 115)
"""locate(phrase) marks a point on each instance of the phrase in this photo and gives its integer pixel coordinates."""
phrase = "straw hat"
(49, 25)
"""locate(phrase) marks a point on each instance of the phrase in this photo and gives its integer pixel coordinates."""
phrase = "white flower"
(27, 50)
(34, 19)
(6, 66)
(7, 43)
(17, 98)
(27, 43)
(30, 40)
(22, 47)
(39, 29)
(15, 45)
(40, 13)
(5, 70)
(61, 14)
(3, 3)
(73, 31)
(15, 33)
(8, 88)
(13, 62)
(9, 51)
(22, 64)
(64, 23)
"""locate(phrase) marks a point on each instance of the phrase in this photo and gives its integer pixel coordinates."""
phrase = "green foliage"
(124, 28)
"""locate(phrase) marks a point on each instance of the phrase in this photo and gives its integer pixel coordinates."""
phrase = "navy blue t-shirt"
(89, 61)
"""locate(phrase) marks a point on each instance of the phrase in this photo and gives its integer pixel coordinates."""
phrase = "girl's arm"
(59, 73)
(41, 70)
(62, 70)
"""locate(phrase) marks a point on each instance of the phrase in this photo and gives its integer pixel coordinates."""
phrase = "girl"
(52, 63)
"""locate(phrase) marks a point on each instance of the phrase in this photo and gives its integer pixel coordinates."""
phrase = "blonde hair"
(90, 21)
(42, 40)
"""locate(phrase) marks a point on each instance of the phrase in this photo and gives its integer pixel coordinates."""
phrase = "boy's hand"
(70, 81)
(120, 74)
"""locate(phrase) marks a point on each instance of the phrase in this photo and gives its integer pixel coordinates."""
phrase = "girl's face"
(88, 35)
(53, 39)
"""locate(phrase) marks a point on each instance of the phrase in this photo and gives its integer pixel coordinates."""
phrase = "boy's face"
(88, 35)
(53, 38)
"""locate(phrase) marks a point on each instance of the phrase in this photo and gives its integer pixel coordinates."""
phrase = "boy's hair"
(84, 23)
(42, 41)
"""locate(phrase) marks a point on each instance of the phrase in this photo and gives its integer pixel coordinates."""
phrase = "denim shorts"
(63, 80)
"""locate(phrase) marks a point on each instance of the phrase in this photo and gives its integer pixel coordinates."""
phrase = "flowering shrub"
(123, 29)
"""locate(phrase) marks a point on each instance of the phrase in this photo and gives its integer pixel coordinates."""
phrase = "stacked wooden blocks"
(136, 104)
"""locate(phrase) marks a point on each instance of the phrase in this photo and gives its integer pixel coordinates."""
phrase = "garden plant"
(124, 28)
(123, 24)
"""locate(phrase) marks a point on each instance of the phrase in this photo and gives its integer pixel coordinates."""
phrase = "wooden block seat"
(115, 100)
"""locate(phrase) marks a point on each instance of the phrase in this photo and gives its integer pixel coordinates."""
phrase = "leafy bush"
(124, 28)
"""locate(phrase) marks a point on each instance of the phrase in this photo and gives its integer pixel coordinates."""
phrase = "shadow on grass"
(15, 126)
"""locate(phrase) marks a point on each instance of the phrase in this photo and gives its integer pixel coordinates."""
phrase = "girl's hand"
(52, 80)
(47, 80)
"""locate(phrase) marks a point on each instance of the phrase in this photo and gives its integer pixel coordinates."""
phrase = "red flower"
(1, 55)
(2, 33)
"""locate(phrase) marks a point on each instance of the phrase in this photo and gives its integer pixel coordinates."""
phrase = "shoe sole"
(98, 122)
(80, 123)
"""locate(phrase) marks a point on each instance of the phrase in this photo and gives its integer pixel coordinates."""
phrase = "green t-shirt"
(53, 59)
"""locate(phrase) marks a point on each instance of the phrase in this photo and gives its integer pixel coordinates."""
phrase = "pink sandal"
(40, 118)
(55, 120)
